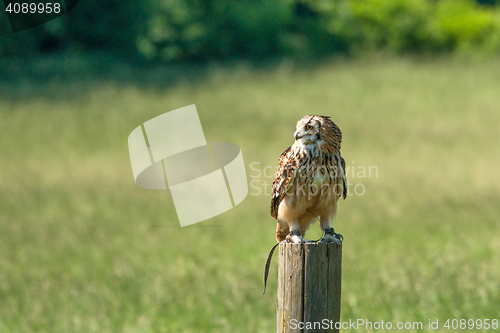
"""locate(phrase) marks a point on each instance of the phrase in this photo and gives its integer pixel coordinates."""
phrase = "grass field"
(83, 249)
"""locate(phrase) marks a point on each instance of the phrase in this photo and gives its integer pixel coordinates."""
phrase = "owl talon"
(295, 237)
(332, 237)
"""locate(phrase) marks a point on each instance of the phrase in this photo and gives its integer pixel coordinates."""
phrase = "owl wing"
(342, 163)
(283, 180)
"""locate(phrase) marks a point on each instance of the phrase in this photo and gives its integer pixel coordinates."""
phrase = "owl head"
(320, 130)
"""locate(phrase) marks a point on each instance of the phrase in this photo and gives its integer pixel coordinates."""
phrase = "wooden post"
(309, 283)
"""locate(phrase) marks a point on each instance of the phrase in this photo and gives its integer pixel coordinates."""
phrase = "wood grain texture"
(281, 289)
(309, 286)
(294, 284)
(334, 282)
(315, 285)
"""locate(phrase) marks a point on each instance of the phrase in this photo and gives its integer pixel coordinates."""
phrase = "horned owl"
(310, 180)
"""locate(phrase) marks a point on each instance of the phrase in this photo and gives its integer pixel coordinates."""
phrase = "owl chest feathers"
(317, 170)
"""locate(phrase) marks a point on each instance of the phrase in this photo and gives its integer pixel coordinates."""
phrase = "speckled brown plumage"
(310, 177)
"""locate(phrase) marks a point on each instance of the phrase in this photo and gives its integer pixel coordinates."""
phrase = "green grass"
(83, 249)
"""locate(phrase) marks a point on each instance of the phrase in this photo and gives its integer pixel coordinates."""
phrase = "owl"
(309, 182)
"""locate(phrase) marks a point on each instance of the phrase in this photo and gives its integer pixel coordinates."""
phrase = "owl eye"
(308, 127)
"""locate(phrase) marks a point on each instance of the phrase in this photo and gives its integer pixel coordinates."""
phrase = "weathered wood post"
(309, 283)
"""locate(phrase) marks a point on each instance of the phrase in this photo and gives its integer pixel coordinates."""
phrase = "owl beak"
(297, 136)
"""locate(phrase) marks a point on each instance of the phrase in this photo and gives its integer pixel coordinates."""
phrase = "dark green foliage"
(487, 2)
(403, 26)
(223, 29)
(107, 25)
(177, 30)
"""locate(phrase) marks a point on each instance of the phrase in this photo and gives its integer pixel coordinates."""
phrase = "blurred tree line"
(177, 30)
